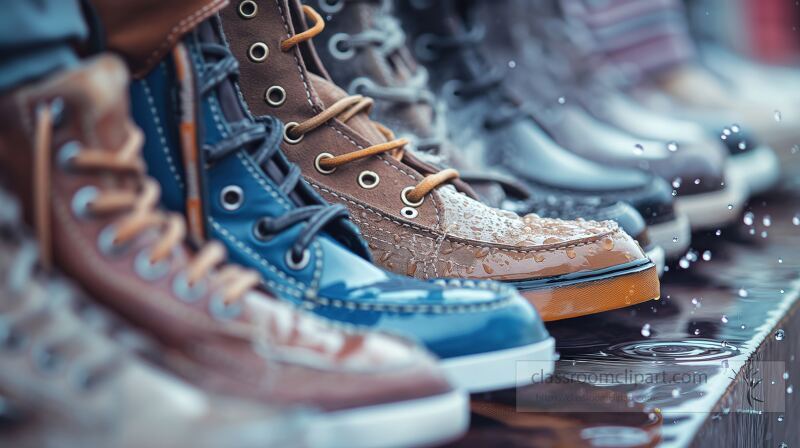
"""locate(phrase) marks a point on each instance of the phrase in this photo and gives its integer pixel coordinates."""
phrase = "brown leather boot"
(64, 382)
(71, 153)
(417, 220)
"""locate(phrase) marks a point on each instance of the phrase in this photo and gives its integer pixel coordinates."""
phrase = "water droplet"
(780, 260)
(796, 219)
(696, 302)
(726, 131)
(780, 418)
(724, 319)
(697, 332)
(674, 239)
(718, 232)
(561, 100)
(789, 389)
(735, 128)
(743, 292)
(697, 181)
(742, 145)
(512, 63)
(672, 146)
(646, 330)
(766, 220)
(786, 375)
(764, 234)
(676, 183)
(638, 149)
(676, 393)
(684, 263)
(777, 115)
(730, 206)
(674, 192)
(748, 218)
(707, 255)
(779, 335)
(783, 445)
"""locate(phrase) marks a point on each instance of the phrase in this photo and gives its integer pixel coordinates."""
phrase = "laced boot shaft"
(108, 235)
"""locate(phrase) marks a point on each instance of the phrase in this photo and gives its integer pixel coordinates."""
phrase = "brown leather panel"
(143, 31)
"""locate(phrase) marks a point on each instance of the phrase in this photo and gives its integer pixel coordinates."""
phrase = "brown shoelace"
(141, 207)
(345, 109)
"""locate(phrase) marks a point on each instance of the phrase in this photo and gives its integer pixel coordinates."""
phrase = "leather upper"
(364, 49)
(452, 235)
(46, 369)
(257, 347)
(339, 280)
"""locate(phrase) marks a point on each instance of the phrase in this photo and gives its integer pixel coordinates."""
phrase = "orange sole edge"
(593, 297)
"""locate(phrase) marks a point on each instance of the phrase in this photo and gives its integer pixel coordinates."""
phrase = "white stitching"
(159, 128)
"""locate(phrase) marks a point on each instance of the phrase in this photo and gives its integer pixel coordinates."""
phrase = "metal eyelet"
(248, 9)
(147, 270)
(288, 128)
(221, 310)
(404, 197)
(45, 360)
(339, 47)
(260, 233)
(331, 6)
(297, 265)
(186, 292)
(423, 48)
(81, 200)
(360, 85)
(66, 153)
(409, 212)
(368, 179)
(450, 91)
(275, 96)
(231, 197)
(323, 155)
(106, 242)
(258, 52)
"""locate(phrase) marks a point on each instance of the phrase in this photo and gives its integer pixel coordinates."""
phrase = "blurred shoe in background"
(696, 172)
(67, 380)
(649, 45)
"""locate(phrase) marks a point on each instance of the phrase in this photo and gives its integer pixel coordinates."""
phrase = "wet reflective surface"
(726, 321)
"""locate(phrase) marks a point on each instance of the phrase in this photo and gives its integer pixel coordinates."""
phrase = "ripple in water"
(681, 350)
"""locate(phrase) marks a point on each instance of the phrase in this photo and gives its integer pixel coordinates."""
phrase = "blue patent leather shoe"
(226, 172)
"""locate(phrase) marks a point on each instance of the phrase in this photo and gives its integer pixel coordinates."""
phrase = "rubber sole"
(497, 370)
(658, 257)
(422, 422)
(758, 169)
(715, 209)
(581, 294)
(674, 236)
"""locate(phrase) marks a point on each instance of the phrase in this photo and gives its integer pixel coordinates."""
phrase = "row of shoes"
(281, 269)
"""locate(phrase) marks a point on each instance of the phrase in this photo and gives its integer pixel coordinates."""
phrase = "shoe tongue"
(227, 96)
(329, 93)
(231, 105)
